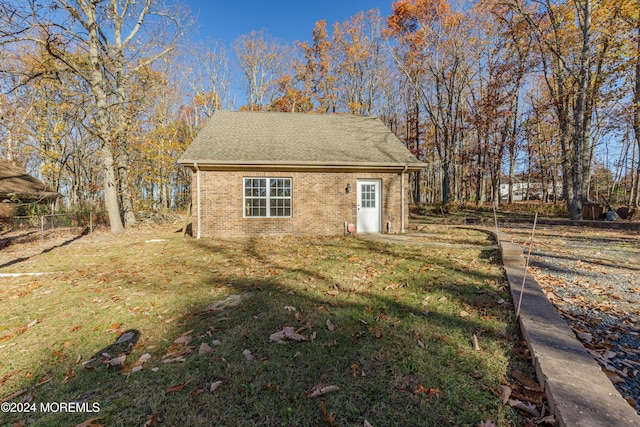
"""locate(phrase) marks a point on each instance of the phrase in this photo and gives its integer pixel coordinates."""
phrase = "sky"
(286, 20)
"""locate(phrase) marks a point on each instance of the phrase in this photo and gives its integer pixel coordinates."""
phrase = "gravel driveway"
(592, 276)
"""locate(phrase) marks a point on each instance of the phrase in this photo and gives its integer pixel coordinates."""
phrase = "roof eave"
(275, 165)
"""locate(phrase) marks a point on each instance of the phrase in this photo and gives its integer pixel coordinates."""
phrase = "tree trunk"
(581, 138)
(636, 117)
(102, 120)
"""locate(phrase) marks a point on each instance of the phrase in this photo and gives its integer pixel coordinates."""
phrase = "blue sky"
(286, 20)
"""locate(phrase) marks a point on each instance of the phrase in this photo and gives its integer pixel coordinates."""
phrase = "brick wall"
(320, 203)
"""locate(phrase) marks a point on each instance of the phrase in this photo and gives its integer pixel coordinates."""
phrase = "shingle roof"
(14, 181)
(314, 140)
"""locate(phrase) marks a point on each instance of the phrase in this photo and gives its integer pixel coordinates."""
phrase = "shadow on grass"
(381, 347)
(65, 243)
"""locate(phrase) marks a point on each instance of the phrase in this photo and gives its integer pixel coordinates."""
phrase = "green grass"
(396, 311)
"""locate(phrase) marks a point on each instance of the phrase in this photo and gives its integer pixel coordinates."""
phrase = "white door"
(369, 213)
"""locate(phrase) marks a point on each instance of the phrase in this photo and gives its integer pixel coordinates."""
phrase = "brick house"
(257, 173)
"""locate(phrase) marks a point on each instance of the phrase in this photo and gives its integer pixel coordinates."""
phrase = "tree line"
(100, 97)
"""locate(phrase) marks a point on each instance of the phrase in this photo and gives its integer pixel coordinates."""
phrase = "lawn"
(287, 331)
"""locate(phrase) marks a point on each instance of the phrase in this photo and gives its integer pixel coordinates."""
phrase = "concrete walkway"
(578, 392)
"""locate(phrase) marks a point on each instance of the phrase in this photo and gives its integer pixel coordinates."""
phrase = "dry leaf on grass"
(528, 408)
(184, 339)
(215, 385)
(476, 346)
(367, 424)
(505, 393)
(196, 392)
(68, 375)
(116, 361)
(127, 336)
(140, 362)
(247, 355)
(330, 326)
(321, 390)
(487, 423)
(429, 391)
(288, 333)
(204, 349)
(177, 387)
(12, 396)
(152, 420)
(525, 380)
(330, 418)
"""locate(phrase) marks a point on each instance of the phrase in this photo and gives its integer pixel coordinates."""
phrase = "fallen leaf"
(215, 385)
(377, 333)
(90, 423)
(152, 420)
(330, 326)
(272, 387)
(12, 396)
(204, 349)
(367, 424)
(114, 327)
(127, 336)
(476, 346)
(525, 380)
(33, 323)
(141, 361)
(487, 423)
(505, 393)
(330, 418)
(117, 361)
(177, 387)
(287, 333)
(184, 338)
(48, 377)
(420, 389)
(528, 408)
(289, 308)
(68, 375)
(421, 344)
(321, 390)
(464, 314)
(196, 392)
(247, 355)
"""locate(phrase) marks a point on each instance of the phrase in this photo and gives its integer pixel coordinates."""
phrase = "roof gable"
(296, 139)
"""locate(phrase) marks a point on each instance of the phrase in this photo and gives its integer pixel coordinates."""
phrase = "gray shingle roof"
(258, 138)
(16, 183)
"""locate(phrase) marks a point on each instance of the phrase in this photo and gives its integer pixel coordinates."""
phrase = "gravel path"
(593, 279)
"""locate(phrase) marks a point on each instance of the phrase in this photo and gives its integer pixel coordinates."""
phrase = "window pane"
(267, 197)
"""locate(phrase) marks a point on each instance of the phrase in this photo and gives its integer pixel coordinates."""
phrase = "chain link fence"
(54, 221)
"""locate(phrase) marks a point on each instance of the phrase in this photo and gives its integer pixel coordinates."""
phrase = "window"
(368, 195)
(267, 197)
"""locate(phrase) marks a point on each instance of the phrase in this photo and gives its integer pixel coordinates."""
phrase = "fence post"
(42, 227)
(90, 222)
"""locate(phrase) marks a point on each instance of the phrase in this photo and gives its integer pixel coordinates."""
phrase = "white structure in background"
(523, 190)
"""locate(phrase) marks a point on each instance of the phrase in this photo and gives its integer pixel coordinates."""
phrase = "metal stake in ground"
(495, 220)
(526, 265)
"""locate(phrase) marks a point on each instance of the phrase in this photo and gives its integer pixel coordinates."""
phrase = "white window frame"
(267, 196)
